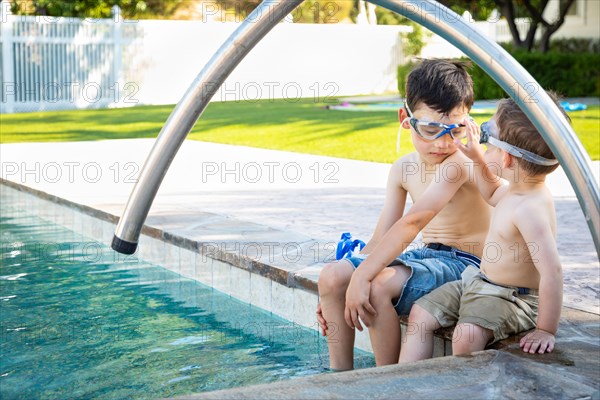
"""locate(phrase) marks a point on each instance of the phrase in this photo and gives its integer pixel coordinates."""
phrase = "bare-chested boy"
(447, 208)
(520, 258)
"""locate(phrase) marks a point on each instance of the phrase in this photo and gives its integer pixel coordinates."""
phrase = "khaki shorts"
(476, 301)
(429, 269)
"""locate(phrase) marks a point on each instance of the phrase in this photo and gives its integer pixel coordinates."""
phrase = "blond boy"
(519, 284)
(447, 209)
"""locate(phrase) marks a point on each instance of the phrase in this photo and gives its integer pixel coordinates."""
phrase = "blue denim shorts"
(430, 269)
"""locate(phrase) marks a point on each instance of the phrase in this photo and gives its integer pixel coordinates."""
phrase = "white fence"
(57, 63)
(65, 63)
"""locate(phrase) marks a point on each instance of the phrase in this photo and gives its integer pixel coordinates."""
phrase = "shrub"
(566, 45)
(403, 71)
(569, 74)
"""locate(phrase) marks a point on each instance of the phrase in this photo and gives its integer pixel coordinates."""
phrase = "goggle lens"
(434, 130)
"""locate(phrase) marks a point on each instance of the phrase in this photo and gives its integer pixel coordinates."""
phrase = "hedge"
(564, 45)
(570, 75)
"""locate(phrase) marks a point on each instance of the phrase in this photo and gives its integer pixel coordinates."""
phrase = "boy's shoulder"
(414, 158)
(533, 215)
(407, 159)
(455, 167)
(458, 157)
(407, 164)
(457, 164)
(525, 205)
(414, 175)
(536, 198)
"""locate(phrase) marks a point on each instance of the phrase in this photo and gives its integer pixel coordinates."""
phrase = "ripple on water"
(179, 379)
(189, 368)
(16, 277)
(189, 340)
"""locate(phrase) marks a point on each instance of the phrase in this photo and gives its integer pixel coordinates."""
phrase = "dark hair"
(516, 129)
(441, 84)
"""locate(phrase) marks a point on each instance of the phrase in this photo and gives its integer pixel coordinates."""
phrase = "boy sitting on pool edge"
(447, 208)
(520, 286)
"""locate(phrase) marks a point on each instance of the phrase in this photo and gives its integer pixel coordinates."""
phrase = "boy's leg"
(384, 329)
(333, 282)
(419, 335)
(430, 312)
(489, 313)
(468, 338)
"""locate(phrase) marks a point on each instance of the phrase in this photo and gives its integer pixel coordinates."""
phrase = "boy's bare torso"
(463, 223)
(508, 259)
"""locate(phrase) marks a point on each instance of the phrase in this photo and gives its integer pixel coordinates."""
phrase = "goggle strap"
(518, 152)
(408, 110)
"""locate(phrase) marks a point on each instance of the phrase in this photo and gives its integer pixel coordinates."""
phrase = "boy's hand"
(538, 339)
(357, 302)
(321, 320)
(472, 149)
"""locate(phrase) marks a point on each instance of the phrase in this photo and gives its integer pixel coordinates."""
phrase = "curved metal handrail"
(522, 87)
(502, 67)
(268, 14)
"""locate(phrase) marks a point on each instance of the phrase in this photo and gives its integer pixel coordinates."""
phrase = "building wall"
(585, 23)
(294, 60)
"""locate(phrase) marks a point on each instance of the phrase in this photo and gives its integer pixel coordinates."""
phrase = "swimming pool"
(80, 321)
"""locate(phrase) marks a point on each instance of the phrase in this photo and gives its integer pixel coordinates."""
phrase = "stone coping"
(504, 371)
(206, 238)
(487, 374)
(292, 260)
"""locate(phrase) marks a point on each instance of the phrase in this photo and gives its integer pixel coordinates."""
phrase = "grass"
(303, 127)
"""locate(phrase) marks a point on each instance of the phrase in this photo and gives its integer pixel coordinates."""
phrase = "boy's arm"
(490, 185)
(535, 227)
(393, 206)
(398, 237)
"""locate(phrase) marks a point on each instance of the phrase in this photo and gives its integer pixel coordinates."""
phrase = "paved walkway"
(311, 196)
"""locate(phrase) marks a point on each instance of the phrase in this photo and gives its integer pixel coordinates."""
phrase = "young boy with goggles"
(519, 284)
(385, 278)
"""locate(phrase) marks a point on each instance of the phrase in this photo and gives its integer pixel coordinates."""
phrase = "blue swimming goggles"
(347, 246)
(433, 130)
(489, 134)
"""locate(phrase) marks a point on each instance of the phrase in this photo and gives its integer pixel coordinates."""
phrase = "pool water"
(80, 321)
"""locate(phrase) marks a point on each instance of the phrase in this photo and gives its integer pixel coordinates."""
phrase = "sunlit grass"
(303, 127)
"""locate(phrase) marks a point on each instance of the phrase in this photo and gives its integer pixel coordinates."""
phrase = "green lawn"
(303, 127)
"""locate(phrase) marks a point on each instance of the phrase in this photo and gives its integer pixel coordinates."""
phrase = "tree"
(310, 11)
(535, 11)
(323, 12)
(96, 8)
(513, 9)
(479, 9)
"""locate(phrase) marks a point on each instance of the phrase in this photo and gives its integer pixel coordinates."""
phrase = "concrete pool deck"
(278, 215)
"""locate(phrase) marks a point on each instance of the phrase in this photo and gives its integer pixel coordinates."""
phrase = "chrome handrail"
(258, 23)
(500, 65)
